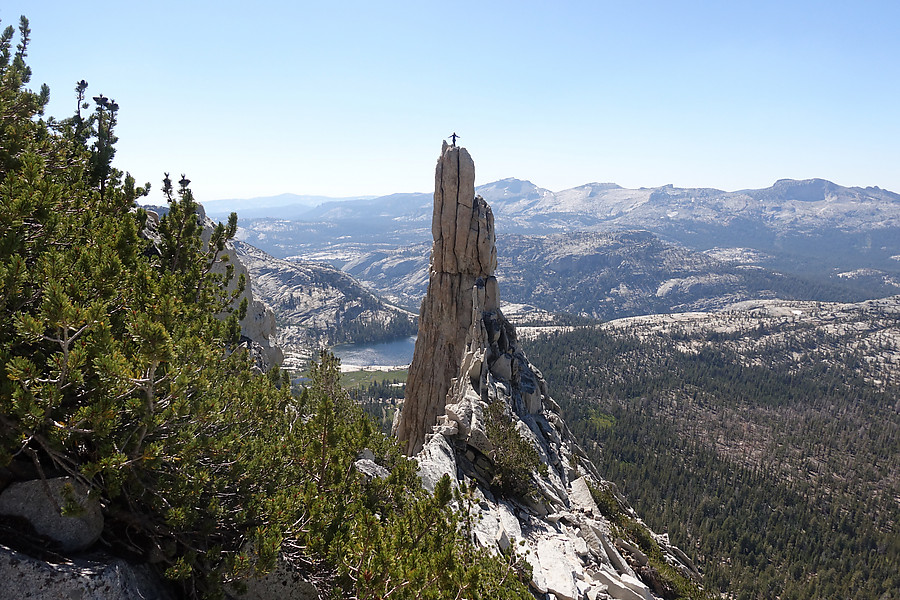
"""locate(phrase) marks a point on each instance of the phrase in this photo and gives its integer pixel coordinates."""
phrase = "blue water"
(396, 353)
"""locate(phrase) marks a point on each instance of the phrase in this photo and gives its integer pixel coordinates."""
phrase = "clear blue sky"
(351, 98)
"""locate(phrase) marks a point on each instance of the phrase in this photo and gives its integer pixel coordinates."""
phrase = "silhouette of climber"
(453, 139)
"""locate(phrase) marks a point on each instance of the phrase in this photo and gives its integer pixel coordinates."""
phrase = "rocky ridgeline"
(468, 372)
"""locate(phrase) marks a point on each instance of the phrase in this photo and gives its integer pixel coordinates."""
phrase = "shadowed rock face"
(463, 252)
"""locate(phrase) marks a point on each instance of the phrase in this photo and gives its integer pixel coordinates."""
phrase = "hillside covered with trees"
(768, 449)
(122, 368)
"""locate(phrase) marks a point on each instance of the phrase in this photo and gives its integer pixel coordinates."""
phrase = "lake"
(395, 353)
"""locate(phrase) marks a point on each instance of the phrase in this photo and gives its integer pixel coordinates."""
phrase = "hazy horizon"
(324, 198)
(355, 99)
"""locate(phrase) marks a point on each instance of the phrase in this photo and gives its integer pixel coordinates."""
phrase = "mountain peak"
(594, 187)
(805, 190)
(520, 188)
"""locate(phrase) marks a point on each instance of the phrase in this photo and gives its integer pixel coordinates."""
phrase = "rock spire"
(463, 252)
(477, 410)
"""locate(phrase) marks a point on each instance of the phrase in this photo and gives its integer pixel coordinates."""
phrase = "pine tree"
(120, 367)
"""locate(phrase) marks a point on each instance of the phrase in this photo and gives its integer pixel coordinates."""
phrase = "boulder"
(554, 564)
(636, 554)
(370, 469)
(592, 540)
(616, 588)
(502, 367)
(616, 559)
(581, 547)
(637, 586)
(509, 522)
(580, 497)
(436, 460)
(41, 502)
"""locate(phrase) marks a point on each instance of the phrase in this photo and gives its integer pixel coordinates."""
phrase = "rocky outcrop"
(258, 329)
(258, 326)
(281, 583)
(463, 251)
(478, 410)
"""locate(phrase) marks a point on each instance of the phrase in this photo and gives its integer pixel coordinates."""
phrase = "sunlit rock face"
(463, 252)
(469, 380)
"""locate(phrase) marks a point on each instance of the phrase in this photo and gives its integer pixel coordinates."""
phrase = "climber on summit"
(453, 137)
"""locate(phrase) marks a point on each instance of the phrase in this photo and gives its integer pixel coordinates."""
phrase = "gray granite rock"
(467, 358)
(259, 324)
(282, 583)
(436, 460)
(554, 563)
(371, 469)
(41, 502)
(580, 497)
(27, 578)
(615, 587)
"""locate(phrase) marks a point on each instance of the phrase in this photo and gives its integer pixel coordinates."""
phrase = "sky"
(345, 98)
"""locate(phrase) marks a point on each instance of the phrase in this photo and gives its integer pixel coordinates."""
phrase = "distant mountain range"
(811, 203)
(810, 223)
(288, 206)
(618, 274)
(798, 218)
(700, 248)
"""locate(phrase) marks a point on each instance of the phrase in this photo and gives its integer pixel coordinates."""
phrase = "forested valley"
(770, 455)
